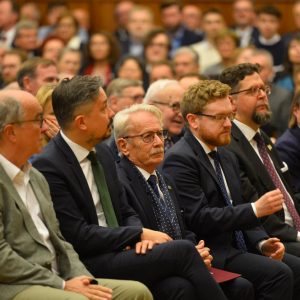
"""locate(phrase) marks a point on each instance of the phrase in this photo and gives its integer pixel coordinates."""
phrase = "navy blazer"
(259, 177)
(288, 147)
(140, 198)
(74, 205)
(201, 197)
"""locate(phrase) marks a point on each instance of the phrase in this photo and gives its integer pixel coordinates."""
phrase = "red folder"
(222, 276)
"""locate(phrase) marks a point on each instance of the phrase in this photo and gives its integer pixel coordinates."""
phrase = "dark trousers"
(173, 270)
(271, 279)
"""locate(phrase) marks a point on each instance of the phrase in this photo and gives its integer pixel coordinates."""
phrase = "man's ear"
(192, 120)
(80, 122)
(9, 132)
(27, 83)
(122, 146)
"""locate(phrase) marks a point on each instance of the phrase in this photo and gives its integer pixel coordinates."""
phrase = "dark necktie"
(262, 149)
(101, 184)
(164, 211)
(168, 143)
(239, 237)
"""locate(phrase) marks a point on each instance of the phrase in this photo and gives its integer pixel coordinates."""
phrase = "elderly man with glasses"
(167, 94)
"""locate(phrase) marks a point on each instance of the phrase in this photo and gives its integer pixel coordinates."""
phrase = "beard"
(263, 117)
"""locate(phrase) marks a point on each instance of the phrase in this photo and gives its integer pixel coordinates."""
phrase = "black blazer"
(255, 170)
(201, 197)
(74, 205)
(140, 199)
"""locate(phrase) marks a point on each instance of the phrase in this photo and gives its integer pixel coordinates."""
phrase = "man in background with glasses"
(166, 95)
(256, 153)
(212, 195)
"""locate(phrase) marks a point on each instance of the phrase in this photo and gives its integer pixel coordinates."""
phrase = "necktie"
(262, 149)
(168, 143)
(100, 181)
(239, 237)
(164, 211)
(152, 180)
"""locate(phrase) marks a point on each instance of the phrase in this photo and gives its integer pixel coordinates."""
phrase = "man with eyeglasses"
(35, 261)
(92, 208)
(166, 95)
(256, 153)
(212, 195)
(122, 93)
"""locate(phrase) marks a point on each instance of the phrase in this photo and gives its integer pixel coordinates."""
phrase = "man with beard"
(167, 94)
(93, 211)
(213, 196)
(257, 155)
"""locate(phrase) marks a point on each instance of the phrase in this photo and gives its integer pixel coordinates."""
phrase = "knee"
(183, 246)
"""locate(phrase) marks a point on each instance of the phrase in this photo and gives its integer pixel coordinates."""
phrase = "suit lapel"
(77, 172)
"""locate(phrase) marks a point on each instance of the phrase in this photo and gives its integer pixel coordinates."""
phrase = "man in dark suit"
(213, 196)
(257, 156)
(93, 212)
(140, 137)
(35, 261)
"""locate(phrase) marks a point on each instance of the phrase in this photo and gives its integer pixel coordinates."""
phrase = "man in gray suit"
(35, 261)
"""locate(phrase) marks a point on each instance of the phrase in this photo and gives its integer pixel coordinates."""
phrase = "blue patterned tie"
(239, 237)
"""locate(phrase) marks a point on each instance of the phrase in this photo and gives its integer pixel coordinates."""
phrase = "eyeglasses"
(148, 137)
(218, 118)
(255, 90)
(175, 106)
(40, 120)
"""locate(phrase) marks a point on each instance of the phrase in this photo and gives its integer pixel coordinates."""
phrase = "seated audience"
(162, 70)
(166, 95)
(36, 262)
(68, 62)
(93, 211)
(35, 72)
(51, 47)
(217, 204)
(288, 145)
(103, 54)
(185, 60)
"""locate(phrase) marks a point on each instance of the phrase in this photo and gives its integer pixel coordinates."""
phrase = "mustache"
(157, 151)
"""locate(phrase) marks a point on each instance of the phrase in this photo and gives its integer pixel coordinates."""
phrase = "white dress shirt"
(249, 133)
(21, 181)
(81, 154)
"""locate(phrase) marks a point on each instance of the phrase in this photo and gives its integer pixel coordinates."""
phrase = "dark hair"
(270, 10)
(28, 68)
(73, 93)
(168, 3)
(68, 14)
(152, 34)
(124, 59)
(233, 75)
(212, 10)
(296, 103)
(114, 51)
(288, 65)
(55, 4)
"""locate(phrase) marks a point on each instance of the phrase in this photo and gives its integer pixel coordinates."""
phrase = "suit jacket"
(202, 199)
(288, 147)
(140, 199)
(24, 259)
(256, 172)
(74, 205)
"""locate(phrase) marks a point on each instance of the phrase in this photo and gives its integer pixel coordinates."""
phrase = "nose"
(157, 140)
(227, 123)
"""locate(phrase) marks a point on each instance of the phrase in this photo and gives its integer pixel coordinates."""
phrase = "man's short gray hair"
(122, 118)
(116, 86)
(10, 111)
(187, 50)
(156, 87)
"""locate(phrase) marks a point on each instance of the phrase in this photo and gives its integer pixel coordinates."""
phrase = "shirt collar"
(248, 132)
(80, 152)
(16, 174)
(146, 174)
(273, 40)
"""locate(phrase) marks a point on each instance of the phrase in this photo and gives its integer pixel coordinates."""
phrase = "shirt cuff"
(260, 245)
(63, 285)
(254, 208)
(298, 237)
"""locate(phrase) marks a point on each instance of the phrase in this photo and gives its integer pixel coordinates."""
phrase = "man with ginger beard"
(256, 153)
(166, 95)
(220, 206)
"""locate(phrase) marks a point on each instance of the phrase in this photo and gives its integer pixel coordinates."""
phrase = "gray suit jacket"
(24, 259)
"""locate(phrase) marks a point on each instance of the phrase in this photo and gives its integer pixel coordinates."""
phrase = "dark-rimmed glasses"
(175, 106)
(148, 137)
(255, 90)
(218, 118)
(40, 119)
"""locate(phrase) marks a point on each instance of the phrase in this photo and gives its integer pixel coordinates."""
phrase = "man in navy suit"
(213, 196)
(95, 216)
(250, 98)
